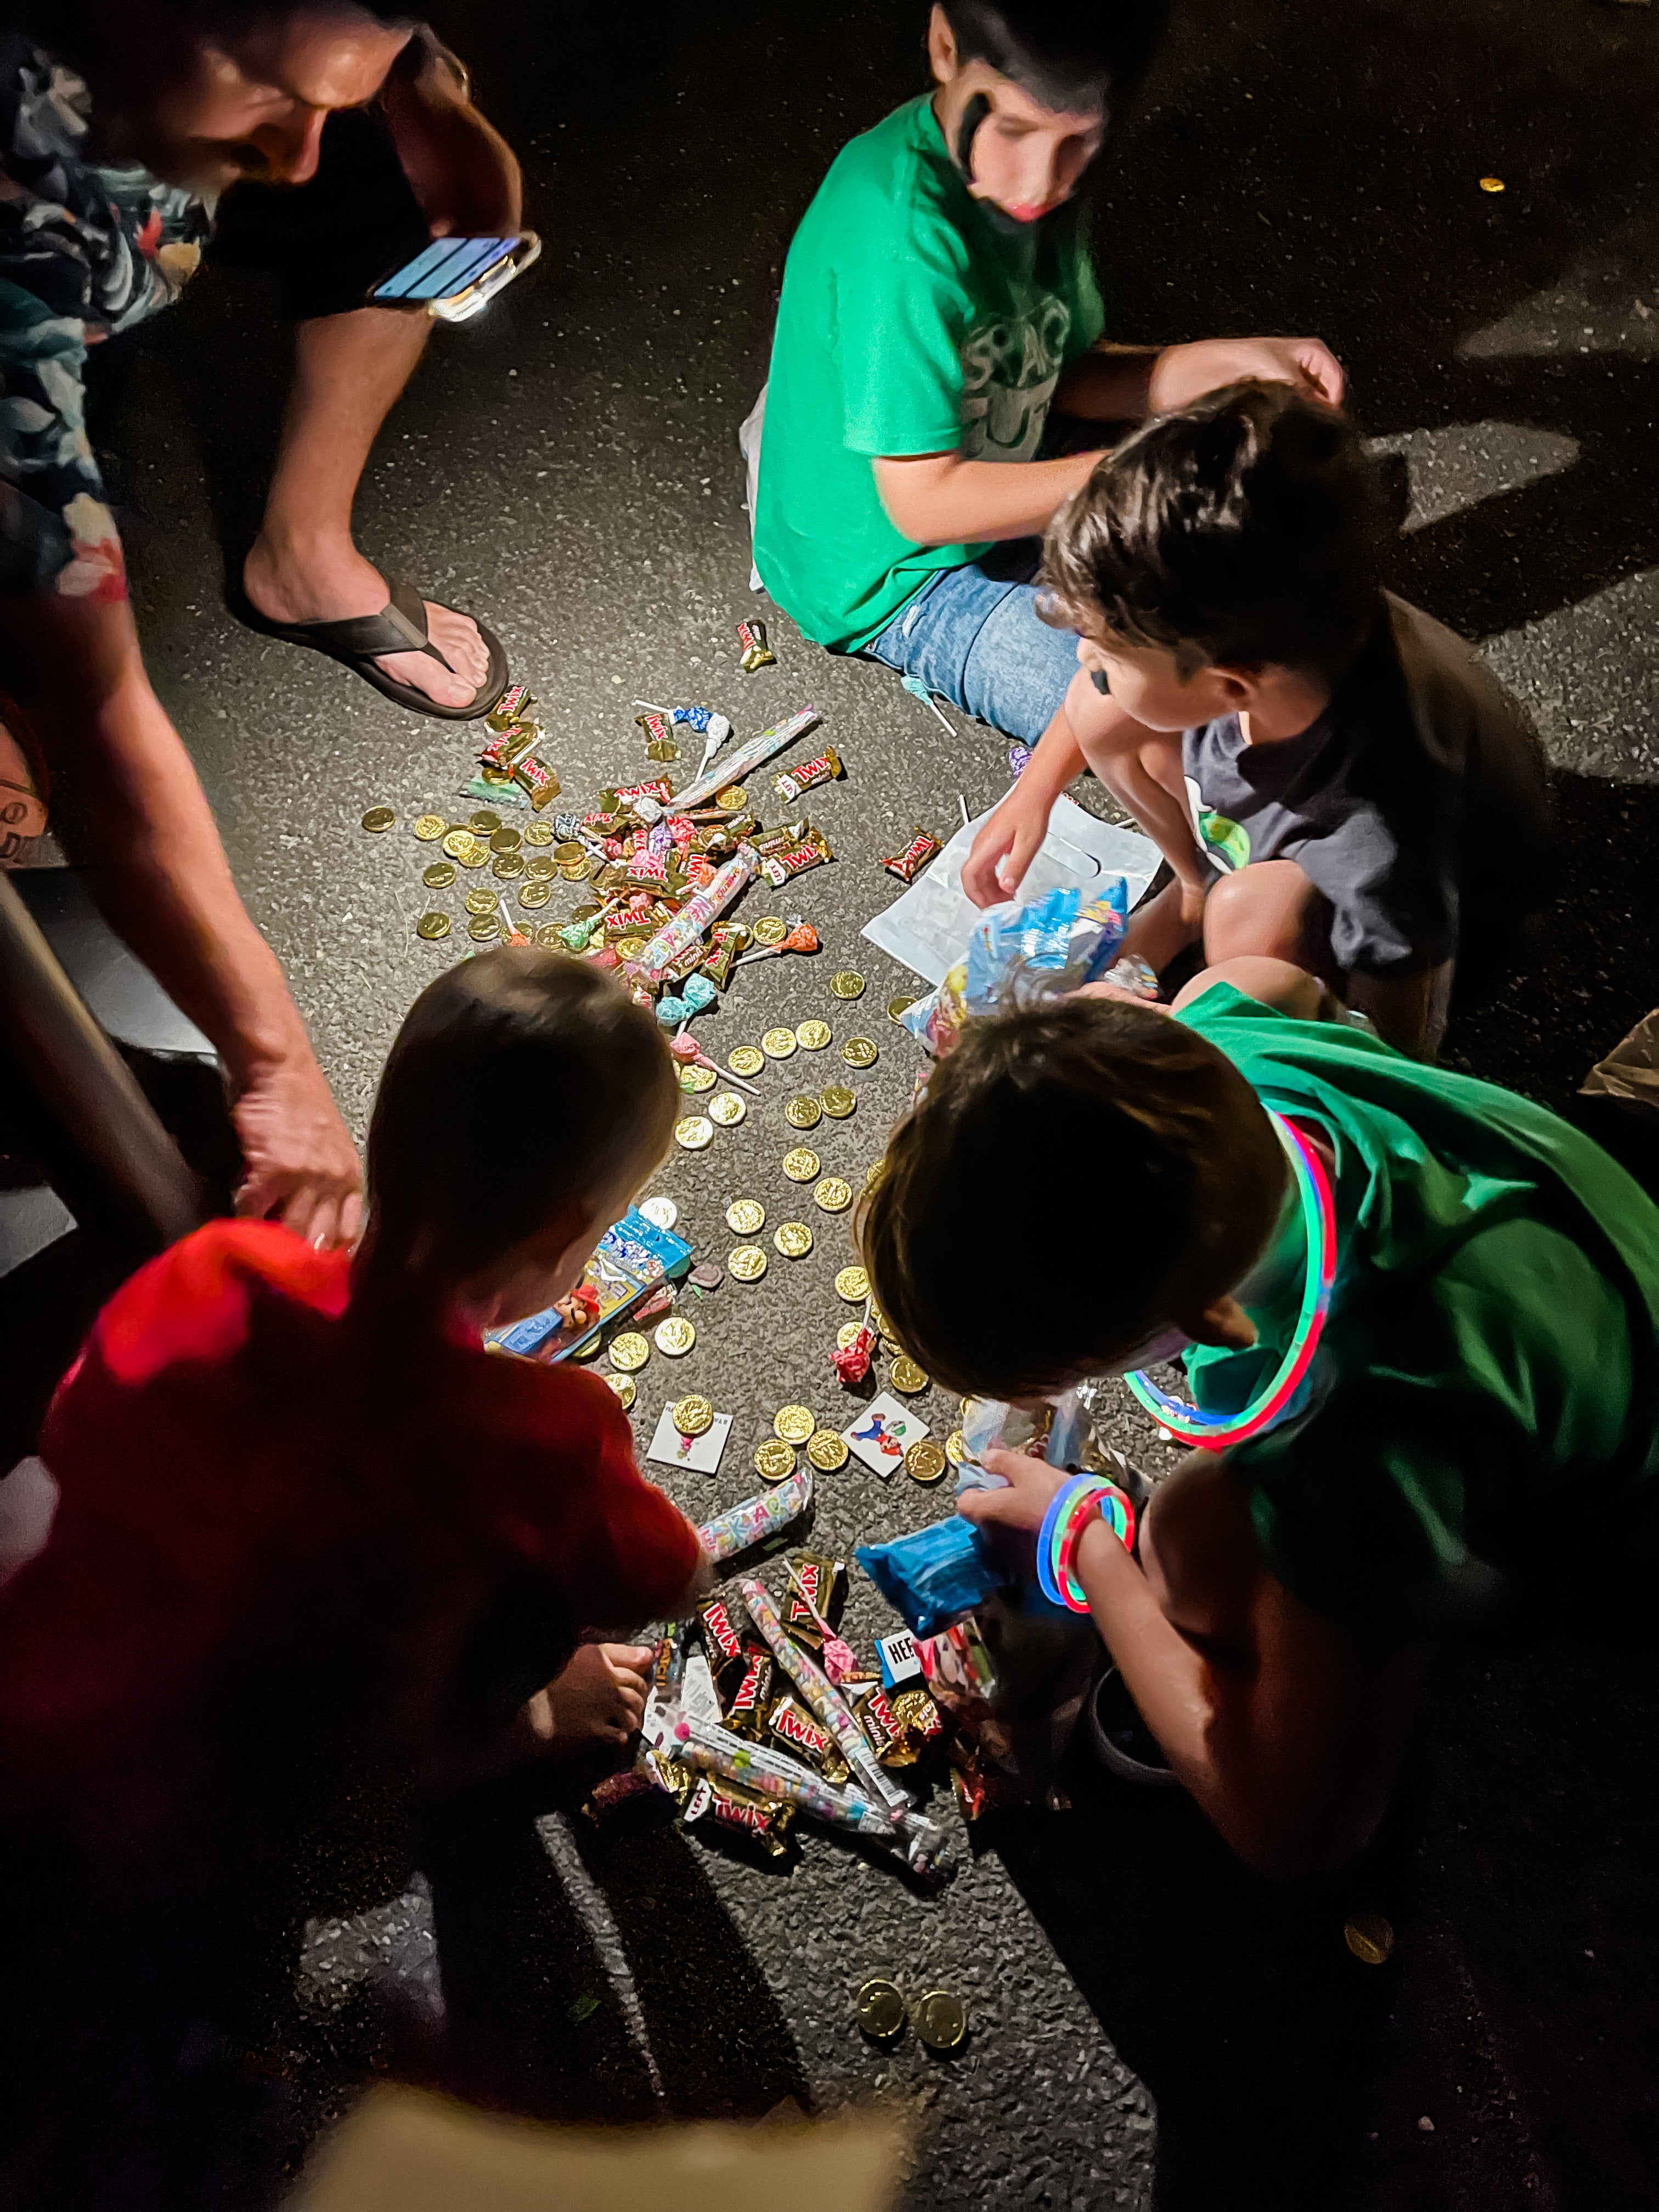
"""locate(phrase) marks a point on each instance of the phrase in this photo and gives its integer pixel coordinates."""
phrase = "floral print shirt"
(85, 252)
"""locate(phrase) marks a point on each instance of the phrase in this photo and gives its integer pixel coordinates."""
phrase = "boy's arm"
(946, 499)
(1285, 1728)
(1124, 384)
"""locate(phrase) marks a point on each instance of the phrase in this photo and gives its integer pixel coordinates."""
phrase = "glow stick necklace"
(1191, 1424)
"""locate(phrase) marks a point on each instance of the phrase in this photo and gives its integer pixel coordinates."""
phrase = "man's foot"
(333, 585)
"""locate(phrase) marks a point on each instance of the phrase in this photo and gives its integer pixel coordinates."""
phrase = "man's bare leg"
(348, 371)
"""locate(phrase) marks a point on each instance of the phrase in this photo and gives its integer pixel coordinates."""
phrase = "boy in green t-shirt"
(938, 299)
(1476, 1437)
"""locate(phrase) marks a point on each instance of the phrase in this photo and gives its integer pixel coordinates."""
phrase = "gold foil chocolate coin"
(730, 797)
(925, 1461)
(568, 855)
(812, 1036)
(873, 1173)
(778, 1045)
(693, 1417)
(577, 871)
(538, 833)
(432, 926)
(803, 1113)
(853, 1284)
(533, 895)
(954, 1450)
(485, 823)
(458, 843)
(629, 947)
(771, 929)
(485, 928)
(794, 1424)
(439, 876)
(428, 828)
(693, 1132)
(660, 1211)
(800, 1165)
(629, 1351)
(1370, 1937)
(747, 1263)
(747, 1215)
(547, 934)
(895, 1007)
(833, 1195)
(826, 1450)
(543, 867)
(621, 1384)
(728, 1110)
(476, 853)
(695, 1078)
(506, 839)
(942, 2020)
(676, 1336)
(379, 819)
(507, 865)
(793, 1239)
(479, 900)
(838, 1101)
(906, 1376)
(846, 1333)
(775, 1461)
(848, 984)
(860, 1052)
(880, 2007)
(745, 1061)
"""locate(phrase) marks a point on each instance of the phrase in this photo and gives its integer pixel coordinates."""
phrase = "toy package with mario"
(630, 1260)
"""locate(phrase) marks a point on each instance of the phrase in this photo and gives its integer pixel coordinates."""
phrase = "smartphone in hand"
(454, 278)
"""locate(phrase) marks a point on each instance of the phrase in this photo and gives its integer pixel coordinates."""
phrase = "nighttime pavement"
(1150, 2025)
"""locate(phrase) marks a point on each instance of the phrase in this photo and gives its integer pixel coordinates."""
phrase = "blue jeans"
(977, 640)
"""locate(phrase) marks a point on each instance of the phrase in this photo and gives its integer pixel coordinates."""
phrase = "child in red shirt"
(309, 1531)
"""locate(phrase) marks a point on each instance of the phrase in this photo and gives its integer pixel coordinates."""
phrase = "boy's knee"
(1269, 907)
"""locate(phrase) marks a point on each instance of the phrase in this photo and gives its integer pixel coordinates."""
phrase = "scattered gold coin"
(484, 928)
(813, 1036)
(432, 926)
(770, 930)
(480, 899)
(379, 819)
(533, 894)
(794, 1424)
(428, 828)
(778, 1045)
(485, 823)
(507, 839)
(542, 866)
(853, 1284)
(676, 1335)
(747, 1263)
(906, 1376)
(800, 1165)
(747, 1215)
(873, 1173)
(848, 984)
(731, 797)
(568, 855)
(775, 1461)
(925, 1461)
(897, 1006)
(439, 876)
(942, 2020)
(1492, 184)
(576, 871)
(548, 934)
(1370, 1937)
(538, 833)
(860, 1052)
(660, 1210)
(803, 1113)
(693, 1417)
(693, 1132)
(826, 1450)
(693, 1078)
(833, 1195)
(954, 1450)
(630, 947)
(846, 1333)
(629, 1351)
(838, 1100)
(793, 1239)
(458, 843)
(745, 1061)
(476, 854)
(507, 865)
(728, 1110)
(624, 1386)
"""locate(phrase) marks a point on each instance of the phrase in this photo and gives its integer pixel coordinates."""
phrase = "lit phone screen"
(448, 265)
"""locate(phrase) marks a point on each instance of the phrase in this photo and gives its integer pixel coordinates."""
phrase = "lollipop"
(696, 993)
(803, 938)
(691, 1053)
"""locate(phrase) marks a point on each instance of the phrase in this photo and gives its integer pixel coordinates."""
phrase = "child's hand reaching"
(598, 1699)
(1031, 1484)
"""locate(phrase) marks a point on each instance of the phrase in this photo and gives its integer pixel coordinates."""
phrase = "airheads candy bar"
(735, 766)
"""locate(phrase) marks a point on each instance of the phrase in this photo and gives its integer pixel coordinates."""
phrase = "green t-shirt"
(1484, 1409)
(909, 324)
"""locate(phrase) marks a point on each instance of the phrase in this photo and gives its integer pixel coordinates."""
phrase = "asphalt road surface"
(1150, 2025)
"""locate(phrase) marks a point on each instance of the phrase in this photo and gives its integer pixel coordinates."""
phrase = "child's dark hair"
(1078, 1175)
(1241, 531)
(520, 1080)
(1073, 57)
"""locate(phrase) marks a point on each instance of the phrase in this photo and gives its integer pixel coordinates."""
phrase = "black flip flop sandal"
(400, 627)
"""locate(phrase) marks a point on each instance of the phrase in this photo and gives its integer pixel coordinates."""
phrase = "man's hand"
(1006, 847)
(302, 1163)
(461, 170)
(1182, 375)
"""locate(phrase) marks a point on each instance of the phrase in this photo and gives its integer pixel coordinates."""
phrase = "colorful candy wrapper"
(538, 779)
(685, 931)
(852, 1361)
(513, 702)
(756, 1520)
(935, 1575)
(753, 650)
(797, 1731)
(735, 766)
(794, 781)
(730, 1805)
(825, 1701)
(907, 865)
(1018, 757)
(811, 852)
(655, 795)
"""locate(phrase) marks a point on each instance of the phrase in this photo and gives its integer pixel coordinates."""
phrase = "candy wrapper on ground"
(1056, 936)
(757, 1520)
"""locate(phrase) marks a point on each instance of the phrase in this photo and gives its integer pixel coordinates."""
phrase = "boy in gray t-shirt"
(1334, 779)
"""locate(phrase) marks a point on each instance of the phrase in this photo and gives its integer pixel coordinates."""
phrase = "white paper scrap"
(701, 1453)
(928, 927)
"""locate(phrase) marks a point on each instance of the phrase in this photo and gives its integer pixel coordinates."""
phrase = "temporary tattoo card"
(883, 1433)
(701, 1454)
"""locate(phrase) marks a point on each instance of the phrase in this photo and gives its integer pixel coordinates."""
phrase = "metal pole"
(87, 1090)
